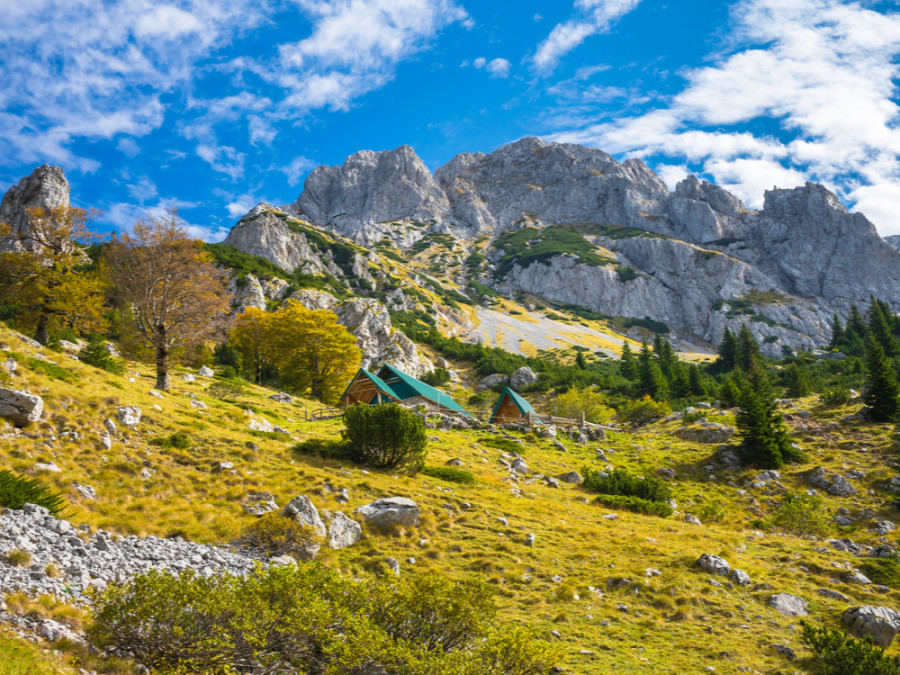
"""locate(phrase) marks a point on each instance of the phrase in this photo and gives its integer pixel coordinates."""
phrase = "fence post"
(582, 419)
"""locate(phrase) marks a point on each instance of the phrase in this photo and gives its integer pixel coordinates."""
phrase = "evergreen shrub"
(306, 618)
(451, 474)
(837, 653)
(620, 482)
(16, 491)
(385, 436)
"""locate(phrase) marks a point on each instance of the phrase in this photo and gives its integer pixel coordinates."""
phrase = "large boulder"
(522, 377)
(343, 531)
(302, 510)
(708, 432)
(880, 623)
(20, 407)
(491, 381)
(789, 605)
(391, 512)
(714, 564)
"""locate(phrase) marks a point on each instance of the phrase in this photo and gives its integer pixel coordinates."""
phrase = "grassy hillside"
(586, 577)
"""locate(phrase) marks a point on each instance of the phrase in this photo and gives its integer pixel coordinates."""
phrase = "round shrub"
(803, 515)
(275, 534)
(385, 436)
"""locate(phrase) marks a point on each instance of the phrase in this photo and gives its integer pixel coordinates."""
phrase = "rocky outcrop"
(264, 232)
(370, 190)
(389, 513)
(20, 407)
(879, 623)
(46, 188)
(369, 321)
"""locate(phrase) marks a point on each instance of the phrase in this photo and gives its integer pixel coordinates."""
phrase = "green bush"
(385, 436)
(437, 377)
(95, 353)
(306, 618)
(585, 400)
(885, 571)
(803, 515)
(16, 491)
(326, 448)
(275, 534)
(51, 370)
(450, 473)
(620, 482)
(835, 396)
(500, 443)
(635, 504)
(178, 440)
(837, 653)
(644, 411)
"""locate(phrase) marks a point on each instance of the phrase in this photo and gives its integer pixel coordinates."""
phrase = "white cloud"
(672, 174)
(817, 75)
(224, 159)
(355, 47)
(498, 68)
(592, 17)
(480, 62)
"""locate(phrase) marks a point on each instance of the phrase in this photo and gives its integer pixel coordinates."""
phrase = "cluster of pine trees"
(660, 374)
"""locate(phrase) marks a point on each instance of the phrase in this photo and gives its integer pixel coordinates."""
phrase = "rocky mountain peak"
(372, 188)
(46, 187)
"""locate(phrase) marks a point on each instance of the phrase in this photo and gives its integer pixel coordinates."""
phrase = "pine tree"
(855, 333)
(695, 380)
(882, 394)
(580, 361)
(796, 380)
(95, 353)
(747, 352)
(651, 381)
(765, 443)
(880, 327)
(838, 338)
(727, 350)
(627, 365)
(665, 356)
(729, 393)
(681, 383)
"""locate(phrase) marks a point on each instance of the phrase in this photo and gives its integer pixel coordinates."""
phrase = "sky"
(212, 106)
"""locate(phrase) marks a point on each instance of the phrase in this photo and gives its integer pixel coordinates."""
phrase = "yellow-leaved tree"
(169, 285)
(308, 348)
(47, 276)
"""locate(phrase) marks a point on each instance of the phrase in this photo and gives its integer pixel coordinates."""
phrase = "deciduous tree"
(170, 285)
(46, 276)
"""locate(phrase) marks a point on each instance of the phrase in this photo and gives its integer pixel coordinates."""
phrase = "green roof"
(523, 405)
(406, 387)
(377, 381)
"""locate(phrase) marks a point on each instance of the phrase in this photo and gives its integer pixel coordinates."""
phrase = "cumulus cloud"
(591, 18)
(355, 47)
(817, 75)
(496, 67)
(297, 168)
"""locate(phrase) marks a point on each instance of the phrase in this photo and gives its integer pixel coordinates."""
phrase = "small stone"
(205, 372)
(789, 605)
(393, 565)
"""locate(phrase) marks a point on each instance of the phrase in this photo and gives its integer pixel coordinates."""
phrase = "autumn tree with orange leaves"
(169, 285)
(46, 275)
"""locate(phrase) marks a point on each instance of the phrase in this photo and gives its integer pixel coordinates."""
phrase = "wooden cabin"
(392, 385)
(511, 408)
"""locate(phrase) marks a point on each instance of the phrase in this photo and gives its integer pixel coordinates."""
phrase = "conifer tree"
(651, 381)
(665, 356)
(855, 333)
(765, 443)
(880, 320)
(628, 365)
(747, 350)
(695, 380)
(838, 338)
(580, 361)
(796, 379)
(882, 394)
(729, 393)
(727, 350)
(681, 383)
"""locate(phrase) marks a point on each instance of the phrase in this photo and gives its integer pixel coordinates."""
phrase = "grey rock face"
(522, 377)
(709, 432)
(264, 234)
(129, 416)
(20, 407)
(247, 292)
(881, 623)
(390, 512)
(343, 531)
(789, 605)
(491, 381)
(714, 564)
(302, 510)
(46, 188)
(371, 188)
(260, 503)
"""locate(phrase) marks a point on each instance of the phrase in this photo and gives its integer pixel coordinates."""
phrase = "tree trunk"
(41, 334)
(162, 367)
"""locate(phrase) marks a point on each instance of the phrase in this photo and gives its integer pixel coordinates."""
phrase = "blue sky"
(213, 106)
